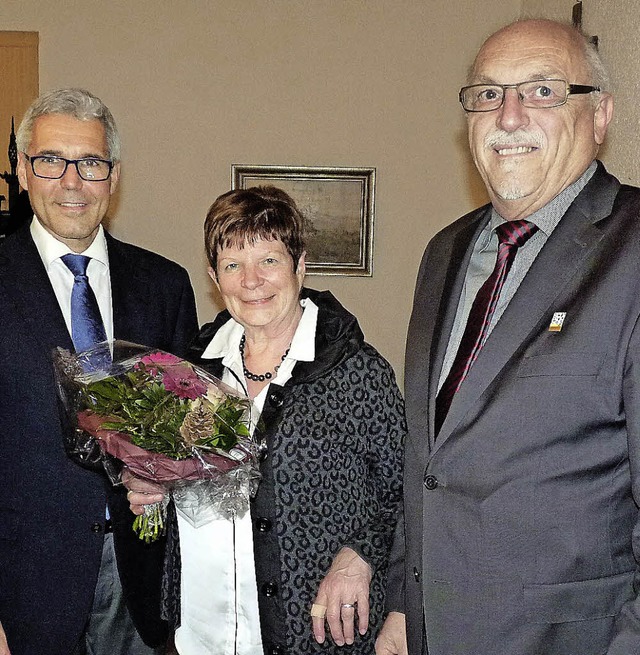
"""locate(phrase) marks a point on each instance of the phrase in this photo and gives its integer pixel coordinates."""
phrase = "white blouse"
(219, 596)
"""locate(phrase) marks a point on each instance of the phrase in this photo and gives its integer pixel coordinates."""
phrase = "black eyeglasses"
(52, 167)
(536, 94)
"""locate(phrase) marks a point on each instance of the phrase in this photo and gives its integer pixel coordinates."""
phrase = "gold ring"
(318, 611)
(129, 494)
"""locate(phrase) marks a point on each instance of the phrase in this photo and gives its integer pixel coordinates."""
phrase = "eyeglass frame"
(75, 162)
(571, 89)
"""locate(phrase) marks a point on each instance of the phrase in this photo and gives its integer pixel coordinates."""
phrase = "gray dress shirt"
(485, 253)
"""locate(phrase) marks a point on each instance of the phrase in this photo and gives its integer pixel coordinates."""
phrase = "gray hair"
(71, 102)
(597, 68)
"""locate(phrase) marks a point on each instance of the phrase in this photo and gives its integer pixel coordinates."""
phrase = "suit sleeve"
(140, 565)
(395, 593)
(626, 636)
(186, 324)
(387, 431)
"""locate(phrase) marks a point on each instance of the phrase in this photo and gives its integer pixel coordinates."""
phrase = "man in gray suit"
(522, 475)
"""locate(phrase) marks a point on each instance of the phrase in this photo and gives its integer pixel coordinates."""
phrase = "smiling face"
(70, 208)
(526, 156)
(259, 285)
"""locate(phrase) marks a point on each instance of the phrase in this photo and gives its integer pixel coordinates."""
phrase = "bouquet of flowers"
(167, 421)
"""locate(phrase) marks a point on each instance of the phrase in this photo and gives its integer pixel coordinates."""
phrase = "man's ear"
(22, 171)
(115, 176)
(602, 117)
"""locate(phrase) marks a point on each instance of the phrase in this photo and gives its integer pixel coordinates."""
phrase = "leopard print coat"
(331, 477)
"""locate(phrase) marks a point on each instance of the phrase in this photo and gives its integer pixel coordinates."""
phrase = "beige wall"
(199, 85)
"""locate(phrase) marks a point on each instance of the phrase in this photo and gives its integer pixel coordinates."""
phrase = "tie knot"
(515, 233)
(77, 264)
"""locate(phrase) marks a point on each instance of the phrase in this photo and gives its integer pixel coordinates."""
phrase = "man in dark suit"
(522, 475)
(60, 590)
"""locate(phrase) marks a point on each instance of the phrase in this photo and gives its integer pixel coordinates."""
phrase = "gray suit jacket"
(521, 534)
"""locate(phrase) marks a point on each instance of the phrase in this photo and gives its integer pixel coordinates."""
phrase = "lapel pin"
(556, 321)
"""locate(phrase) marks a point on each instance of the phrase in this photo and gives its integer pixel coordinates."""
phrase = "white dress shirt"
(219, 596)
(51, 250)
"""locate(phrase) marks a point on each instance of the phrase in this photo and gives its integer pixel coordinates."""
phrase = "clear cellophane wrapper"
(207, 477)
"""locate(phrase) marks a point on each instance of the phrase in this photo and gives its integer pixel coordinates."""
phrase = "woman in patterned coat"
(313, 551)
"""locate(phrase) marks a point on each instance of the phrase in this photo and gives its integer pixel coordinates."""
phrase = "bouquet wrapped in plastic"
(167, 421)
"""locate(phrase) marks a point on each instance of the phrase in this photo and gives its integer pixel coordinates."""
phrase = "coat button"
(416, 574)
(263, 525)
(276, 398)
(96, 527)
(263, 450)
(269, 589)
(431, 482)
(276, 650)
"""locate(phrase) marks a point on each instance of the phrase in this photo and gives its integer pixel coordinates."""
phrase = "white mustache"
(502, 139)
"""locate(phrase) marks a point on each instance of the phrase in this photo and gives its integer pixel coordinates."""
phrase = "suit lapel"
(32, 297)
(128, 299)
(560, 261)
(440, 283)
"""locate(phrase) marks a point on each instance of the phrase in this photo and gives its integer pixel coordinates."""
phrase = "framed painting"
(338, 209)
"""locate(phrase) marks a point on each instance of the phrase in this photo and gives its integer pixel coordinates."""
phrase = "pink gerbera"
(159, 360)
(183, 382)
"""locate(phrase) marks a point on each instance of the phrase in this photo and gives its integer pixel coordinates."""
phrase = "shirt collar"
(548, 217)
(50, 249)
(226, 342)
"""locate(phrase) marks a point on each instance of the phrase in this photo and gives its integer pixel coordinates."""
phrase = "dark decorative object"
(576, 18)
(19, 210)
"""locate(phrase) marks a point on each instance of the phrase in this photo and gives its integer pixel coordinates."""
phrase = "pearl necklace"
(252, 376)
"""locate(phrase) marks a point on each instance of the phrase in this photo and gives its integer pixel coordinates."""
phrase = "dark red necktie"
(511, 236)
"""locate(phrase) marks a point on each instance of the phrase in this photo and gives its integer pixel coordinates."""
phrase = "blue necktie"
(87, 328)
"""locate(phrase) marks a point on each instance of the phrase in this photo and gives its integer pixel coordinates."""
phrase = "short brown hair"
(246, 215)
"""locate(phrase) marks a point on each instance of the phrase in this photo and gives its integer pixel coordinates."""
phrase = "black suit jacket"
(52, 510)
(522, 531)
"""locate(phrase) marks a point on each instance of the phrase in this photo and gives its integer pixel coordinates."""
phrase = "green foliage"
(138, 404)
